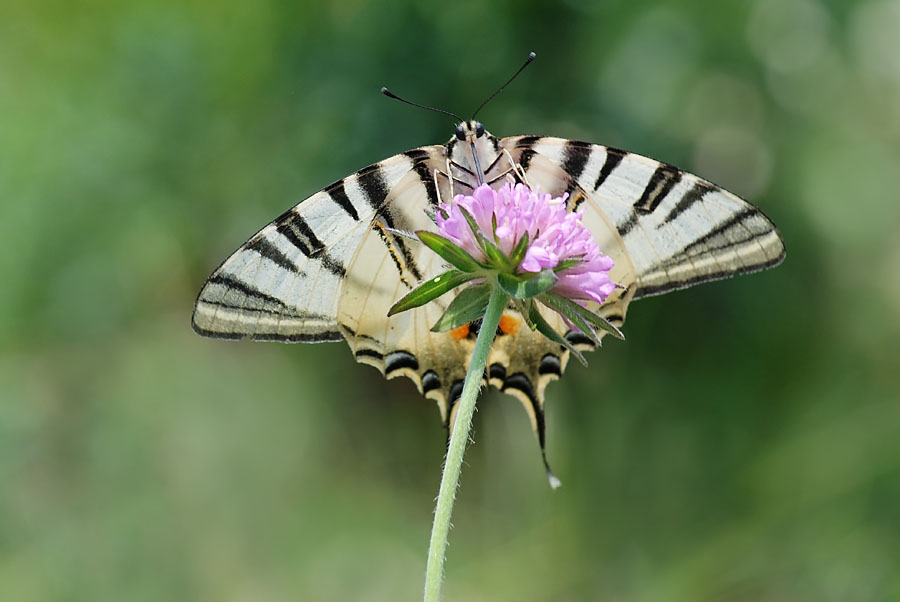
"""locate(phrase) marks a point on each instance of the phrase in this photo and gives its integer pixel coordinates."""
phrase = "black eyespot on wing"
(579, 338)
(455, 391)
(497, 371)
(430, 381)
(550, 364)
(397, 360)
(521, 383)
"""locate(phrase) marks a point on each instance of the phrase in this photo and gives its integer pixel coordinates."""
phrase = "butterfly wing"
(333, 265)
(678, 229)
(665, 229)
(385, 265)
(284, 283)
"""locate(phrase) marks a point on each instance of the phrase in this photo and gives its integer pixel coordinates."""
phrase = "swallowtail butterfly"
(330, 267)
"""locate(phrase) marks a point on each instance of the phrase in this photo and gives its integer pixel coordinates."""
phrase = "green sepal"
(597, 321)
(565, 264)
(535, 320)
(493, 253)
(519, 251)
(495, 256)
(470, 304)
(559, 304)
(525, 286)
(567, 307)
(473, 225)
(449, 251)
(431, 289)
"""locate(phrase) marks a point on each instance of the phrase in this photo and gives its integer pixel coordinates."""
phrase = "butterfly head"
(470, 131)
(473, 148)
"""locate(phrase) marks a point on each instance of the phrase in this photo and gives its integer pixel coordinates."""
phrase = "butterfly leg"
(437, 187)
(499, 177)
(517, 168)
(453, 179)
(450, 177)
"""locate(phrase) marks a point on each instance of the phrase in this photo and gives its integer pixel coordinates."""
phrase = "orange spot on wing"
(460, 333)
(509, 325)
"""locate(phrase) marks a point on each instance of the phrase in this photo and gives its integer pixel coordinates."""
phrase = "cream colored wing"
(384, 267)
(664, 228)
(283, 283)
(678, 229)
(524, 364)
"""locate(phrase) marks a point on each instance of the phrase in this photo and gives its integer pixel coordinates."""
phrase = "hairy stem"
(434, 570)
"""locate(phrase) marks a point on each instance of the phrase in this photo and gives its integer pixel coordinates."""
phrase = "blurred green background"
(743, 444)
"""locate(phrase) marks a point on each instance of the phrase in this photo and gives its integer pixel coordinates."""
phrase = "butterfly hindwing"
(386, 265)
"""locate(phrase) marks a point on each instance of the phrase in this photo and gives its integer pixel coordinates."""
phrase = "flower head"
(526, 246)
(554, 236)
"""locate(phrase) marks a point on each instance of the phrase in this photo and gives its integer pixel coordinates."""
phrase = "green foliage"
(469, 305)
(527, 285)
(431, 289)
(449, 251)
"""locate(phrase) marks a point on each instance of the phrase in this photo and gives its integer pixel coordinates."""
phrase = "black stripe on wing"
(230, 283)
(733, 233)
(575, 157)
(339, 196)
(420, 158)
(267, 249)
(661, 183)
(295, 228)
(613, 158)
(687, 200)
(375, 189)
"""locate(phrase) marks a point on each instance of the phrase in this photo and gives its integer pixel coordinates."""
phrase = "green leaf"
(449, 251)
(469, 305)
(525, 286)
(431, 289)
(534, 319)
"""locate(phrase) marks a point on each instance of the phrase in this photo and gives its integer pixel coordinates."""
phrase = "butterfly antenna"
(530, 58)
(390, 94)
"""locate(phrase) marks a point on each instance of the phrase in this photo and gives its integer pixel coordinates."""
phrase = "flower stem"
(434, 570)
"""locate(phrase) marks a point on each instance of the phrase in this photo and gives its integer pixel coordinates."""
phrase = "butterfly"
(332, 266)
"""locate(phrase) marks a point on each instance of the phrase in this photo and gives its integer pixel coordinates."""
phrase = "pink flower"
(504, 216)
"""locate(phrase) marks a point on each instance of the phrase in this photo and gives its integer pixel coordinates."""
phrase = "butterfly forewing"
(284, 283)
(678, 229)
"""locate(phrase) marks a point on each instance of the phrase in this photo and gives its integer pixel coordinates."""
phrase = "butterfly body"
(331, 267)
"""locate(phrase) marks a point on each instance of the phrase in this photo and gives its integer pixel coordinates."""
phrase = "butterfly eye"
(479, 130)
(460, 132)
